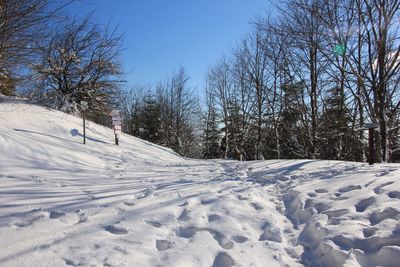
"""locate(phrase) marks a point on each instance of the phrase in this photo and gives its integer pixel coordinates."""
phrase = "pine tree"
(211, 135)
(394, 138)
(290, 129)
(7, 83)
(235, 129)
(149, 127)
(337, 140)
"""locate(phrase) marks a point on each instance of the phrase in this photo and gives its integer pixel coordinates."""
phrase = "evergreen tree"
(7, 83)
(290, 130)
(149, 127)
(235, 129)
(337, 140)
(211, 135)
(394, 138)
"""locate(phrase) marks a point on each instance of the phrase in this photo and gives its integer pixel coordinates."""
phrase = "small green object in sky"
(339, 49)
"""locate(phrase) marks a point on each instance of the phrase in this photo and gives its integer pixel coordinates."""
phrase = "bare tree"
(130, 103)
(341, 32)
(80, 61)
(221, 87)
(252, 57)
(380, 22)
(373, 57)
(21, 23)
(275, 48)
(244, 101)
(178, 112)
(301, 22)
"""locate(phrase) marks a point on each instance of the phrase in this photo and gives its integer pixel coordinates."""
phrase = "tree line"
(167, 114)
(302, 83)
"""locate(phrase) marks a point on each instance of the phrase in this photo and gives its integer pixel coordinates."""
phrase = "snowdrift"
(63, 203)
(34, 137)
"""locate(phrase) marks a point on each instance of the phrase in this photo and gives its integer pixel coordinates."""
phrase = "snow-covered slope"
(63, 203)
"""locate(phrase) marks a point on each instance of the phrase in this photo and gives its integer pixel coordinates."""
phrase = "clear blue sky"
(161, 35)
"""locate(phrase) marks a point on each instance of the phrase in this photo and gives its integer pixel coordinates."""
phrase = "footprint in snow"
(292, 252)
(223, 260)
(385, 172)
(239, 238)
(312, 194)
(153, 223)
(222, 240)
(121, 250)
(208, 201)
(27, 222)
(321, 191)
(394, 194)
(31, 217)
(334, 221)
(363, 204)
(184, 204)
(214, 217)
(129, 203)
(349, 188)
(71, 262)
(116, 230)
(184, 216)
(370, 231)
(188, 232)
(271, 233)
(162, 245)
(256, 206)
(56, 214)
(319, 206)
(242, 197)
(379, 189)
(83, 216)
(378, 216)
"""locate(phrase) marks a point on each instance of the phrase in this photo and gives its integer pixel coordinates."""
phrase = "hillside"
(63, 203)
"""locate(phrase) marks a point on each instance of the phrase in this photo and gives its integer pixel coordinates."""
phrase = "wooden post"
(116, 123)
(84, 128)
(116, 138)
(84, 107)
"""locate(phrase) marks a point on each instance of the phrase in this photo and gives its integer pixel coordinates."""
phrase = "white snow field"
(63, 203)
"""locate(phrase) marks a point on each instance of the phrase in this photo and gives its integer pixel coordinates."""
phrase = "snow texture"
(63, 203)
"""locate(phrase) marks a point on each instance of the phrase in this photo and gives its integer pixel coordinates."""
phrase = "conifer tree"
(337, 140)
(291, 134)
(149, 128)
(211, 135)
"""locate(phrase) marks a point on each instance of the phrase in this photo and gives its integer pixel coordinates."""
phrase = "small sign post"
(371, 127)
(117, 124)
(84, 107)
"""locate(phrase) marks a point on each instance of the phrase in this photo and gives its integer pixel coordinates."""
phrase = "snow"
(63, 203)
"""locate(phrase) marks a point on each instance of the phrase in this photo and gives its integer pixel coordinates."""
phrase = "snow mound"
(44, 139)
